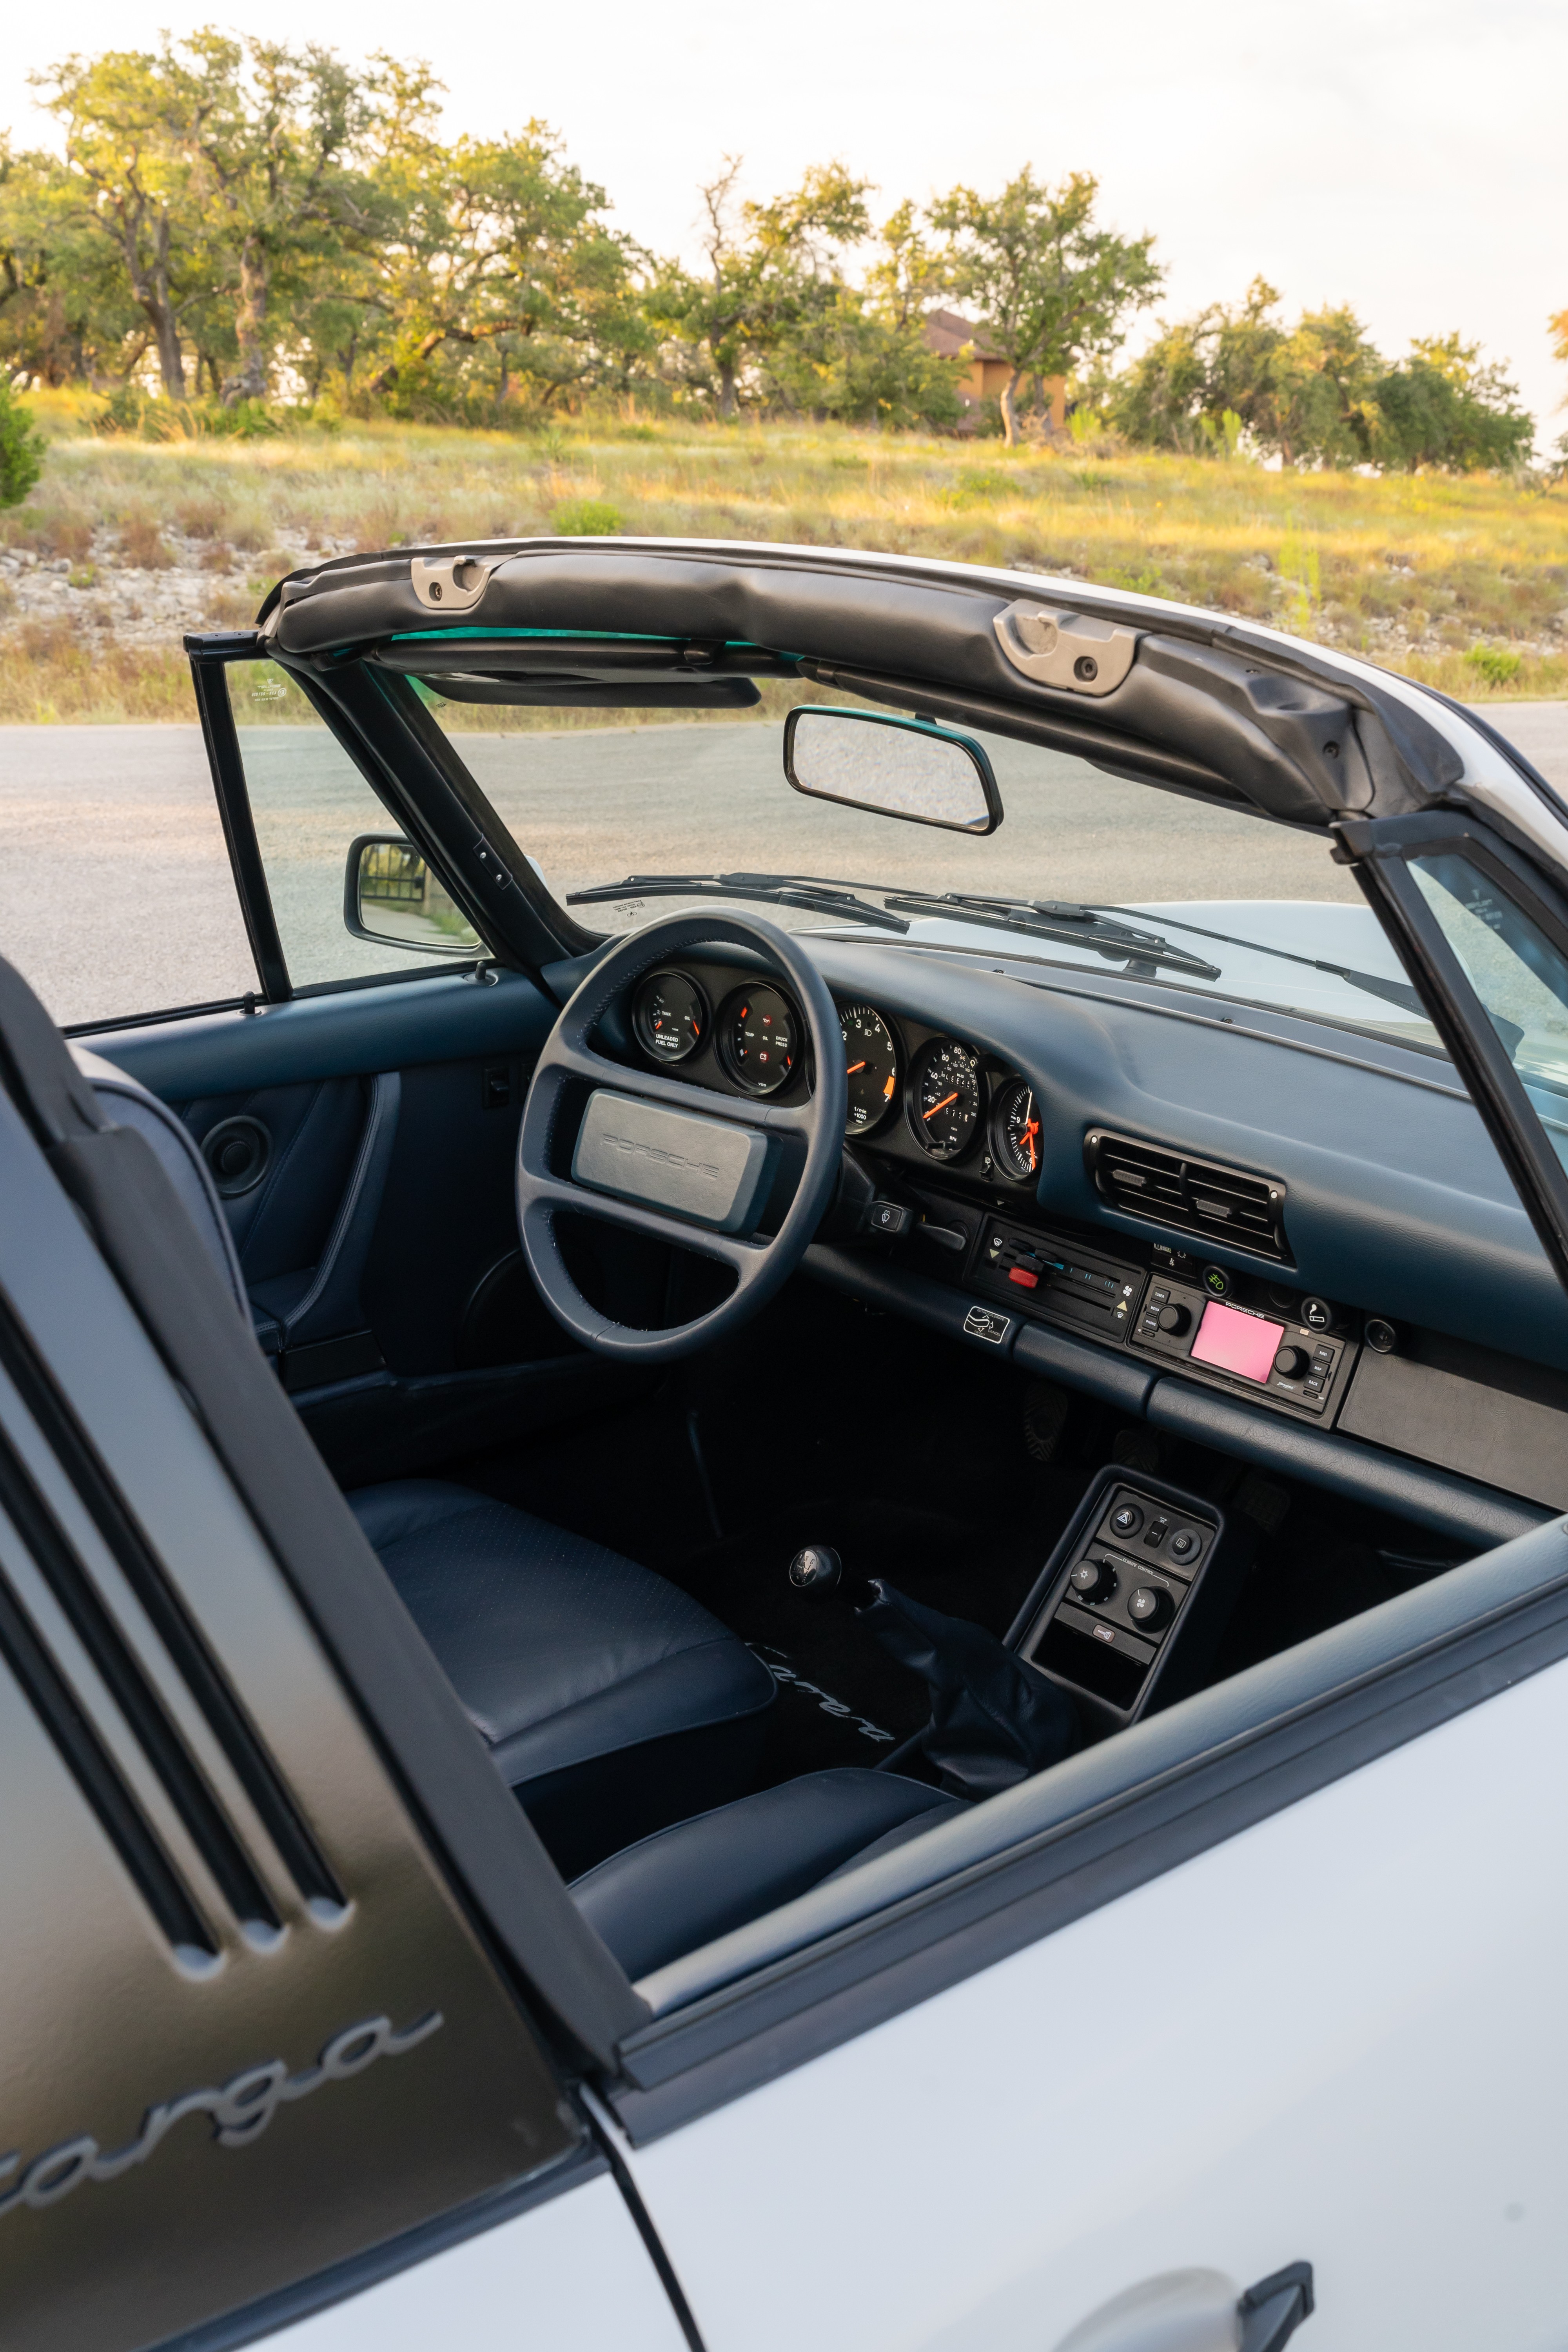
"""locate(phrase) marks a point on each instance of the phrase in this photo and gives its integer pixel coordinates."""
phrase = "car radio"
(1300, 1362)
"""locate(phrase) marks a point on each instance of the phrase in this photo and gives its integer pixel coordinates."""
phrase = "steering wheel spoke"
(652, 1086)
(759, 1263)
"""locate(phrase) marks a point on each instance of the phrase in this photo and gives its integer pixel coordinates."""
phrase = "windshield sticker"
(240, 2110)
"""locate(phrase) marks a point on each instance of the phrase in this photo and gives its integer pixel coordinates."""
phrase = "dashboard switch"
(1150, 1607)
(889, 1217)
(1127, 1520)
(1023, 1277)
(1093, 1580)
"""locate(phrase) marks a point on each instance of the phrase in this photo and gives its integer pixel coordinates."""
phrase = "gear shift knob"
(814, 1569)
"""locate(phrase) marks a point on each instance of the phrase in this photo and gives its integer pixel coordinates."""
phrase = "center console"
(1132, 1600)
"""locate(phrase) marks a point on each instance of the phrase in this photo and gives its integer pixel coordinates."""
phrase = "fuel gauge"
(1015, 1130)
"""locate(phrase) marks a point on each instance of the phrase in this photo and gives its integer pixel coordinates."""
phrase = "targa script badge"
(240, 2110)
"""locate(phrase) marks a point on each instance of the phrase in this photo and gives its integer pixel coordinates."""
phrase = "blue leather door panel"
(339, 1035)
(378, 1241)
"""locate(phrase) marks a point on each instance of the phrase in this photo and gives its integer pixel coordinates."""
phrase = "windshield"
(1242, 906)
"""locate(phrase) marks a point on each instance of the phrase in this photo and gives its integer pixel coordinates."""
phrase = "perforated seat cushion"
(569, 1658)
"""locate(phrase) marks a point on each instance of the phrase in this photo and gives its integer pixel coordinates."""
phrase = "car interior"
(803, 1384)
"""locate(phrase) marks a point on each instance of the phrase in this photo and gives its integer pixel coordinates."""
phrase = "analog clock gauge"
(1015, 1130)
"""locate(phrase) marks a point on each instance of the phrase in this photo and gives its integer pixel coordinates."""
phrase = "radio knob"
(1175, 1320)
(1291, 1363)
(1093, 1580)
(1151, 1606)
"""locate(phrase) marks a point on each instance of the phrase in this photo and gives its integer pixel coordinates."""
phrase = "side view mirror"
(392, 897)
(894, 767)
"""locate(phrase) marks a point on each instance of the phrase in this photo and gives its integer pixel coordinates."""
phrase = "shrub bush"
(586, 519)
(21, 449)
(1494, 664)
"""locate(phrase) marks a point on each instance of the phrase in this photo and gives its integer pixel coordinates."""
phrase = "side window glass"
(310, 804)
(117, 899)
(1519, 974)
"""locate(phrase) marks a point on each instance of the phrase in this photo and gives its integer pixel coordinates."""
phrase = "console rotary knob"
(1093, 1580)
(1291, 1363)
(1176, 1320)
(1150, 1607)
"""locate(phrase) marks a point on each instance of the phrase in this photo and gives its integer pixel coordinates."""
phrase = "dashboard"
(1049, 1187)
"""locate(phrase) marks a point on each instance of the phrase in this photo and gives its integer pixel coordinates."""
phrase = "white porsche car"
(776, 1571)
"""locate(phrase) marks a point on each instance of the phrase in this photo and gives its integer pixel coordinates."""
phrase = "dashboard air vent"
(1222, 1204)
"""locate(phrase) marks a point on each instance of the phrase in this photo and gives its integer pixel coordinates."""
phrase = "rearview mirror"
(392, 897)
(894, 767)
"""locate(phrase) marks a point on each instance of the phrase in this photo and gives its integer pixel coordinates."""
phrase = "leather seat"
(687, 1885)
(610, 1701)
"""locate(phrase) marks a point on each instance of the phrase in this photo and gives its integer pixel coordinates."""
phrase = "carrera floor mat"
(842, 1699)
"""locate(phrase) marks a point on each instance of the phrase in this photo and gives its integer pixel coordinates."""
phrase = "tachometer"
(761, 1038)
(873, 1067)
(1015, 1130)
(669, 1016)
(945, 1097)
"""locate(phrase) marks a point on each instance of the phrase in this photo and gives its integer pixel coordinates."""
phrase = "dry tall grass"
(1462, 584)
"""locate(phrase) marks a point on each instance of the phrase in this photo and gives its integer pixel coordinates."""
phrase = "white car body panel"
(1336, 2038)
(570, 2275)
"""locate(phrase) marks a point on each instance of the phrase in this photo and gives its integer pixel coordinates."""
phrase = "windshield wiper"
(1142, 953)
(776, 889)
(1393, 991)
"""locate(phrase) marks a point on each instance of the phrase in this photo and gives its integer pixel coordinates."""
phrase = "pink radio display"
(1234, 1342)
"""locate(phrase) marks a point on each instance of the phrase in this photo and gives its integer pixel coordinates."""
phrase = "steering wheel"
(569, 1069)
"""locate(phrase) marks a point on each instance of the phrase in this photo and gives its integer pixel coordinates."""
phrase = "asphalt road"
(115, 895)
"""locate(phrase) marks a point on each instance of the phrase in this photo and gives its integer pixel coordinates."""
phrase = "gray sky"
(1407, 156)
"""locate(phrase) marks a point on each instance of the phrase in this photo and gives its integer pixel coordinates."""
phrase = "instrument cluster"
(954, 1103)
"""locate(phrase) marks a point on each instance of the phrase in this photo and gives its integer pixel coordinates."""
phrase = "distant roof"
(948, 333)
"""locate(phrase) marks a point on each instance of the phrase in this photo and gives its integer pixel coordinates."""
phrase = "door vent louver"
(1194, 1196)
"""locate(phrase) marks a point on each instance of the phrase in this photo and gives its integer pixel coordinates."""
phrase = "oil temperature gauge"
(1015, 1130)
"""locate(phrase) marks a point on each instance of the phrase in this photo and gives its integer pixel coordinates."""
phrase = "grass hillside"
(1462, 583)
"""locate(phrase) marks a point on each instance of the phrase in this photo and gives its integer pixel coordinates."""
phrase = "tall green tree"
(502, 261)
(860, 353)
(127, 117)
(272, 139)
(1318, 393)
(770, 269)
(1055, 289)
(65, 313)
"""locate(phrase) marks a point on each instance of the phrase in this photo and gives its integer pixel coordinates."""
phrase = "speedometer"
(945, 1097)
(873, 1066)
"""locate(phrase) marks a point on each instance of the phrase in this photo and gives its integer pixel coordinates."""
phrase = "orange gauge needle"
(940, 1106)
(853, 1067)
